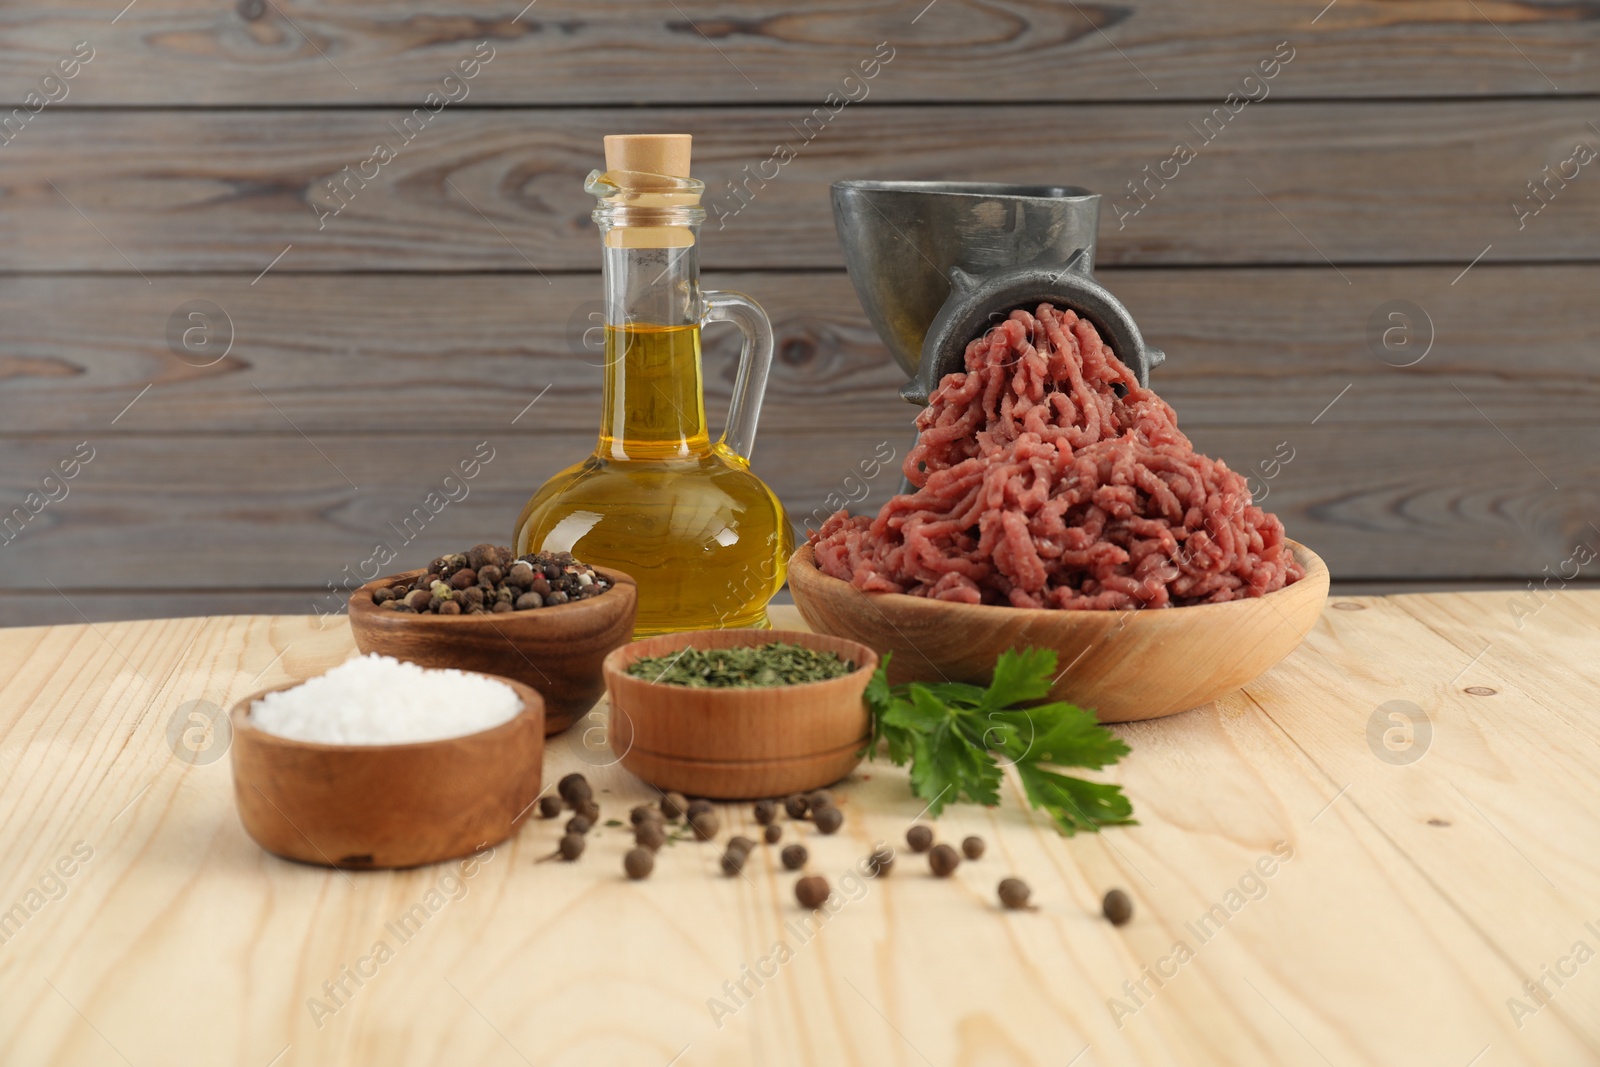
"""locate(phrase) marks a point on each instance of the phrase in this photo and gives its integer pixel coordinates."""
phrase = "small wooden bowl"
(371, 806)
(739, 743)
(557, 650)
(1126, 665)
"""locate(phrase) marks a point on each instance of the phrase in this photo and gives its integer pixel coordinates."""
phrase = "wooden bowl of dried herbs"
(736, 714)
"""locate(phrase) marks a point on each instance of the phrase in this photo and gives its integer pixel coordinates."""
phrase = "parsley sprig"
(956, 735)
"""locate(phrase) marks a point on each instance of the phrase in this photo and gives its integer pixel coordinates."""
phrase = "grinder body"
(936, 263)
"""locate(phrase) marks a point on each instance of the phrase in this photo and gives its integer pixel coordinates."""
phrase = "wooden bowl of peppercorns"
(556, 646)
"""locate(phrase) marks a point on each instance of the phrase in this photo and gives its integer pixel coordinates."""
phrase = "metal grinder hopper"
(937, 263)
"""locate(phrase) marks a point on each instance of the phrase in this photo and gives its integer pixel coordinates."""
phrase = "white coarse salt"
(378, 700)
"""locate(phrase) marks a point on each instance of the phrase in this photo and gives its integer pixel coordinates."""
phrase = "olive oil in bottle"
(705, 539)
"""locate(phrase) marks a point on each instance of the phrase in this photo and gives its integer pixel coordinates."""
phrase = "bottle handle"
(755, 363)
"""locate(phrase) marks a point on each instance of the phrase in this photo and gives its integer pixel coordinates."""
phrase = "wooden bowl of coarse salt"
(379, 763)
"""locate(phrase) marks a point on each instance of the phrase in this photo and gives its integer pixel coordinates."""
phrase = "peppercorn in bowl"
(740, 713)
(547, 620)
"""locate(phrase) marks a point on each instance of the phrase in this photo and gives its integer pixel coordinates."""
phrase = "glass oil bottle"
(706, 540)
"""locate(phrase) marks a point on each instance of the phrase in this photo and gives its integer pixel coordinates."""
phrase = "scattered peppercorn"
(571, 847)
(812, 891)
(819, 798)
(650, 835)
(742, 843)
(1117, 906)
(972, 847)
(773, 834)
(549, 807)
(733, 860)
(698, 806)
(828, 819)
(639, 863)
(642, 812)
(765, 812)
(794, 857)
(796, 806)
(492, 579)
(705, 825)
(880, 862)
(1014, 893)
(579, 824)
(920, 838)
(944, 860)
(573, 788)
(674, 805)
(588, 809)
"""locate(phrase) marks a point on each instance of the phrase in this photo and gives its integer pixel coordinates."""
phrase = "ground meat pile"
(1046, 476)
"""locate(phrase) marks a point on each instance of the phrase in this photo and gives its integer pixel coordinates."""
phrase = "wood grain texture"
(503, 190)
(1420, 503)
(369, 807)
(1487, 739)
(1334, 913)
(1246, 345)
(178, 52)
(739, 743)
(1124, 665)
(556, 650)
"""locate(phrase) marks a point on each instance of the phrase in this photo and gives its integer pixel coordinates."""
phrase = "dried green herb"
(742, 668)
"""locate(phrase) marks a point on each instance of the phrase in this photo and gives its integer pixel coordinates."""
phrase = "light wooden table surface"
(1367, 906)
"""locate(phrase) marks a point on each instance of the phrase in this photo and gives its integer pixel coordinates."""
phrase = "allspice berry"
(742, 843)
(1117, 907)
(880, 862)
(588, 809)
(920, 838)
(641, 812)
(572, 847)
(463, 578)
(944, 860)
(794, 857)
(819, 798)
(812, 891)
(573, 788)
(795, 806)
(972, 847)
(579, 824)
(449, 607)
(1014, 893)
(733, 861)
(639, 863)
(765, 812)
(698, 806)
(705, 825)
(650, 835)
(828, 819)
(773, 834)
(674, 806)
(549, 807)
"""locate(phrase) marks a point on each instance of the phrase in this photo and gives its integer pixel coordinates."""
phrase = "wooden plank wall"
(357, 356)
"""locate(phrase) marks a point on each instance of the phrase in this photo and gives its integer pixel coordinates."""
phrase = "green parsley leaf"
(954, 736)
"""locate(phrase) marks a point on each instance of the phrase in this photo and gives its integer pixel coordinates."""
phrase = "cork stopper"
(649, 153)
